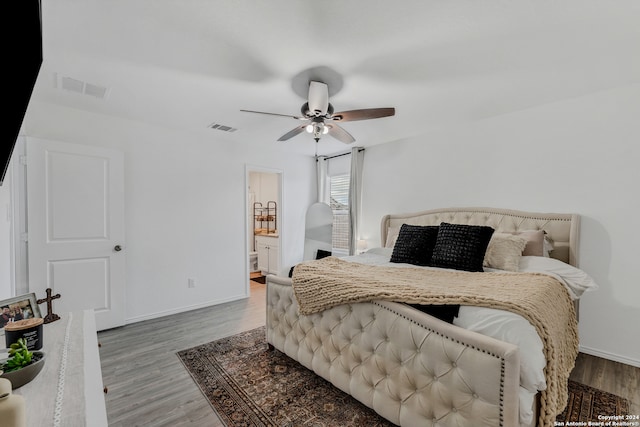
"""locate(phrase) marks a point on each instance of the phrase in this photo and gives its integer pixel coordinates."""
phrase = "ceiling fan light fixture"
(318, 109)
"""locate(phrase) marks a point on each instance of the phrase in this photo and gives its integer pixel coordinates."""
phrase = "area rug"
(586, 403)
(249, 385)
(259, 279)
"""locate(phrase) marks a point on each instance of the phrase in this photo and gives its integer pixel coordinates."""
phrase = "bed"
(417, 370)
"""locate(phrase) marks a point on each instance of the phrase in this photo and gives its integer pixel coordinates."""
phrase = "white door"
(75, 205)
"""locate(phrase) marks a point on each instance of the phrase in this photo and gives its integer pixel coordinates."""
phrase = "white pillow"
(575, 280)
(504, 251)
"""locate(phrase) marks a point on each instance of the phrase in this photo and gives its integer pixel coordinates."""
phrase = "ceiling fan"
(320, 119)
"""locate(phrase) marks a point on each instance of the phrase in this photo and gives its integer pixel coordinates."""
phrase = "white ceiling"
(188, 63)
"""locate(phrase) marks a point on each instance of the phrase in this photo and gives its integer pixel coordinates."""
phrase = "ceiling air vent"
(223, 128)
(95, 90)
(78, 86)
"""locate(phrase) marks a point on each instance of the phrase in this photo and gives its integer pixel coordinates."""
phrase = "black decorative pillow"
(414, 244)
(321, 253)
(442, 312)
(461, 247)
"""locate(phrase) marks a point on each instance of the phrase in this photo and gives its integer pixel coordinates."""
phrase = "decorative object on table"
(51, 316)
(22, 365)
(18, 308)
(28, 329)
(12, 407)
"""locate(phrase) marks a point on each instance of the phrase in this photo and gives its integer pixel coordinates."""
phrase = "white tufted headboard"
(562, 228)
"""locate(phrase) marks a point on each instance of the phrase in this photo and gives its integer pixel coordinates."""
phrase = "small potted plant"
(22, 365)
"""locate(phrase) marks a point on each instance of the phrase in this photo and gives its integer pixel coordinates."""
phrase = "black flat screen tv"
(22, 51)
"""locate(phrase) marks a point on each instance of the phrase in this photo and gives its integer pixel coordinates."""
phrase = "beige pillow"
(535, 242)
(504, 251)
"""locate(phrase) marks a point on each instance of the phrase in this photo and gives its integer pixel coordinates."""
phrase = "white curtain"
(321, 178)
(355, 197)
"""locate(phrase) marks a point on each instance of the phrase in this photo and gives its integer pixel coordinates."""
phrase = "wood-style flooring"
(148, 386)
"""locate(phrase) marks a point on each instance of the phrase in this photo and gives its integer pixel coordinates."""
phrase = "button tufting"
(346, 352)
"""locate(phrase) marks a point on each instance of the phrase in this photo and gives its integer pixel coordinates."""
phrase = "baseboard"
(610, 356)
(156, 315)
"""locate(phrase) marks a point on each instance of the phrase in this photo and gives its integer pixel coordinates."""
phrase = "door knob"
(117, 248)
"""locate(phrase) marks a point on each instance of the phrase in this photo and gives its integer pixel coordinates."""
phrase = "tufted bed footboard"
(411, 368)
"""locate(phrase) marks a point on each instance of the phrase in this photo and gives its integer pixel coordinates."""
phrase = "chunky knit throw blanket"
(539, 298)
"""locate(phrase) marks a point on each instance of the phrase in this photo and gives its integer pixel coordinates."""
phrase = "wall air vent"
(78, 86)
(223, 128)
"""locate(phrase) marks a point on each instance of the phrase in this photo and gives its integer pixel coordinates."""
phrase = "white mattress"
(504, 325)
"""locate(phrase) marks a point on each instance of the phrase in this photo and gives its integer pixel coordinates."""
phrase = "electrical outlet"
(191, 283)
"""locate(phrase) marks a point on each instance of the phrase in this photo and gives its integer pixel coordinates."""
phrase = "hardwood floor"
(148, 386)
(607, 375)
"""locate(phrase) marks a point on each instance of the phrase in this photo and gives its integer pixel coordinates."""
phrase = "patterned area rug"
(249, 385)
(586, 403)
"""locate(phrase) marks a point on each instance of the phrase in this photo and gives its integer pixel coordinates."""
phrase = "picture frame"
(20, 307)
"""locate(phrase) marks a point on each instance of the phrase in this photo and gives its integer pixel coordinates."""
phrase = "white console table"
(68, 392)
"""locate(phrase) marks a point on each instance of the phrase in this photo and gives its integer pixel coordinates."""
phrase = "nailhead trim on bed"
(345, 345)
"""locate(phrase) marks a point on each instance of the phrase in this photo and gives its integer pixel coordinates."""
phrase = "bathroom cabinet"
(268, 248)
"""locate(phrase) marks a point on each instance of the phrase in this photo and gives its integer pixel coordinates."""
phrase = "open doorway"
(264, 223)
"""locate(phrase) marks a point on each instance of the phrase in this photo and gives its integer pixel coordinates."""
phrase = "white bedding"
(507, 326)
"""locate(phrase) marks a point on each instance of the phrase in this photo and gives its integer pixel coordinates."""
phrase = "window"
(339, 196)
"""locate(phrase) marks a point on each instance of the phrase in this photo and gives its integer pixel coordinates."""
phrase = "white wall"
(580, 155)
(265, 186)
(186, 213)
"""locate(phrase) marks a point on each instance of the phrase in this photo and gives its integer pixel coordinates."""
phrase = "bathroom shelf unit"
(265, 218)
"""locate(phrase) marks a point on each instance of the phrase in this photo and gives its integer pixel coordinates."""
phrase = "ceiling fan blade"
(318, 98)
(340, 134)
(365, 114)
(275, 114)
(293, 132)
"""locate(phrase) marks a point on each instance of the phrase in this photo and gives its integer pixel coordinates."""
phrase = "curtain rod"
(339, 155)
